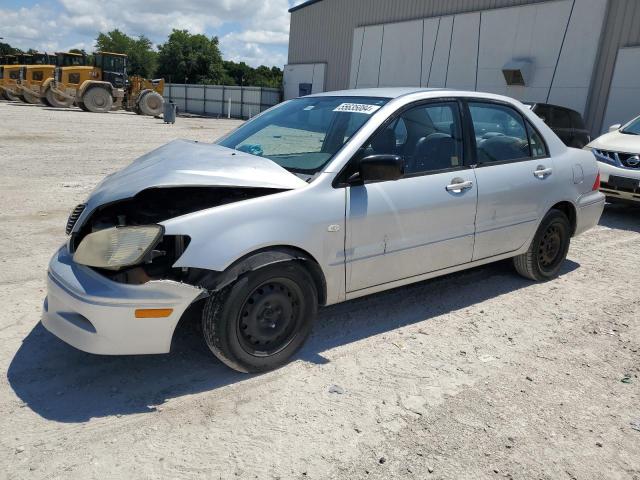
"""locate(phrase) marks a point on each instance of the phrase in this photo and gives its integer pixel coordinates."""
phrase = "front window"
(111, 63)
(304, 134)
(632, 128)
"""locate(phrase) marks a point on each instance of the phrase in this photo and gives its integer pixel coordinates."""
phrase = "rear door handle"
(542, 172)
(458, 185)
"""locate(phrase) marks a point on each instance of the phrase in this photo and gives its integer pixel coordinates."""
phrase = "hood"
(184, 163)
(618, 142)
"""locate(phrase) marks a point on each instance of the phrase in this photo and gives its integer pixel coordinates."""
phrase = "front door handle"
(542, 172)
(458, 185)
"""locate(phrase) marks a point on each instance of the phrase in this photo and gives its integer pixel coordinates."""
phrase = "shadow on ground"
(621, 217)
(63, 384)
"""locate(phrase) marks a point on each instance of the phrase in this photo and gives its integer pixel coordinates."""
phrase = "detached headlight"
(117, 247)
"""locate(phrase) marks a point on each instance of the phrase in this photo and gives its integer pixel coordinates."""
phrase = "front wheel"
(31, 98)
(11, 96)
(548, 250)
(261, 320)
(57, 101)
(151, 103)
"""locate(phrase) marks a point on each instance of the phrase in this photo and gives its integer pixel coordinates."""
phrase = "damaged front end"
(125, 242)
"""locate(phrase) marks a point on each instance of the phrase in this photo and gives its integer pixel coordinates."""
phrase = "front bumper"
(606, 170)
(97, 315)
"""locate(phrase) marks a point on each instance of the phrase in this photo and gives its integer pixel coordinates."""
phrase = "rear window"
(544, 112)
(576, 121)
(560, 118)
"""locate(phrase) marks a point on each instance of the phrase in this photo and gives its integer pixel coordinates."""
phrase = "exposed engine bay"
(152, 206)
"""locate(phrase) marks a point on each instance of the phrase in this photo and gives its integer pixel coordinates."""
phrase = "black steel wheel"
(548, 250)
(270, 317)
(257, 323)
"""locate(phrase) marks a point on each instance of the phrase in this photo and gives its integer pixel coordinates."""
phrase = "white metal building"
(582, 54)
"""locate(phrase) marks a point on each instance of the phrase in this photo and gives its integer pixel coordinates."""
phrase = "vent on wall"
(517, 72)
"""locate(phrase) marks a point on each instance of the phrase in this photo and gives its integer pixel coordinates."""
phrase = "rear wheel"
(57, 101)
(257, 323)
(150, 103)
(97, 100)
(548, 250)
(82, 106)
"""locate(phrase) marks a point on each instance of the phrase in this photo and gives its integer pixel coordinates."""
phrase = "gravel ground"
(480, 374)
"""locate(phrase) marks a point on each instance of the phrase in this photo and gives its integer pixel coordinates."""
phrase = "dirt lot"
(475, 375)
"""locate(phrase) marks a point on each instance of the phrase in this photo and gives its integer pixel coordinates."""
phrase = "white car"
(319, 200)
(618, 155)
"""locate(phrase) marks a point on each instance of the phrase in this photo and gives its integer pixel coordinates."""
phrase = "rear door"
(514, 175)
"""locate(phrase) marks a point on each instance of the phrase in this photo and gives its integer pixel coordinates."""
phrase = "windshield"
(302, 135)
(633, 127)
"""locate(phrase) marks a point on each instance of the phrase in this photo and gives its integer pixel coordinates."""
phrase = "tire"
(97, 100)
(31, 98)
(11, 97)
(261, 320)
(57, 101)
(150, 103)
(548, 250)
(82, 106)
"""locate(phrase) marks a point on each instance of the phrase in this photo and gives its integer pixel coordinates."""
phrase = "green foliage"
(6, 49)
(262, 76)
(190, 58)
(142, 57)
(184, 57)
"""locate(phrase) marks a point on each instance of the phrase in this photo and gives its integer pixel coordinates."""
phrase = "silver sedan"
(316, 201)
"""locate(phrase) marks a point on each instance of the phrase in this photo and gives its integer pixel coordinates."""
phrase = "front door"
(515, 175)
(423, 222)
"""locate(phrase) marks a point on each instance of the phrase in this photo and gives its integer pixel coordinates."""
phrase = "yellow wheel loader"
(10, 75)
(32, 76)
(97, 88)
(40, 87)
(144, 96)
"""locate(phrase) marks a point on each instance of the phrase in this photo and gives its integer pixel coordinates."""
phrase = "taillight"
(596, 184)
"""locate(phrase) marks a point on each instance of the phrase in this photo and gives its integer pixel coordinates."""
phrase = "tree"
(6, 49)
(142, 57)
(243, 74)
(191, 59)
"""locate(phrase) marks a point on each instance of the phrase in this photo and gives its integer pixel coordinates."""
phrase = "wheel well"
(261, 258)
(570, 211)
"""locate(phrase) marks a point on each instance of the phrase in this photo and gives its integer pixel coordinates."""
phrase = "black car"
(566, 123)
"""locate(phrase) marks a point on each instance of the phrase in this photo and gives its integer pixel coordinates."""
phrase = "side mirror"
(615, 127)
(378, 168)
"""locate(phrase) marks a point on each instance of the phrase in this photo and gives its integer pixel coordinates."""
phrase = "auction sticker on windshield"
(356, 108)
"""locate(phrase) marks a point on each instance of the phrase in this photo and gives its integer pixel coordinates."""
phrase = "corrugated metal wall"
(622, 29)
(322, 32)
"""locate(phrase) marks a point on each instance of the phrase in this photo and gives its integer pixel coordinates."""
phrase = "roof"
(396, 92)
(380, 92)
(303, 4)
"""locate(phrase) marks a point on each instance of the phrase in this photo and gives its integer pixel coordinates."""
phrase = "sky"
(253, 31)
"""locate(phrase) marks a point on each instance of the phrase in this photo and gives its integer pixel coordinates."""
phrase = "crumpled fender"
(216, 281)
